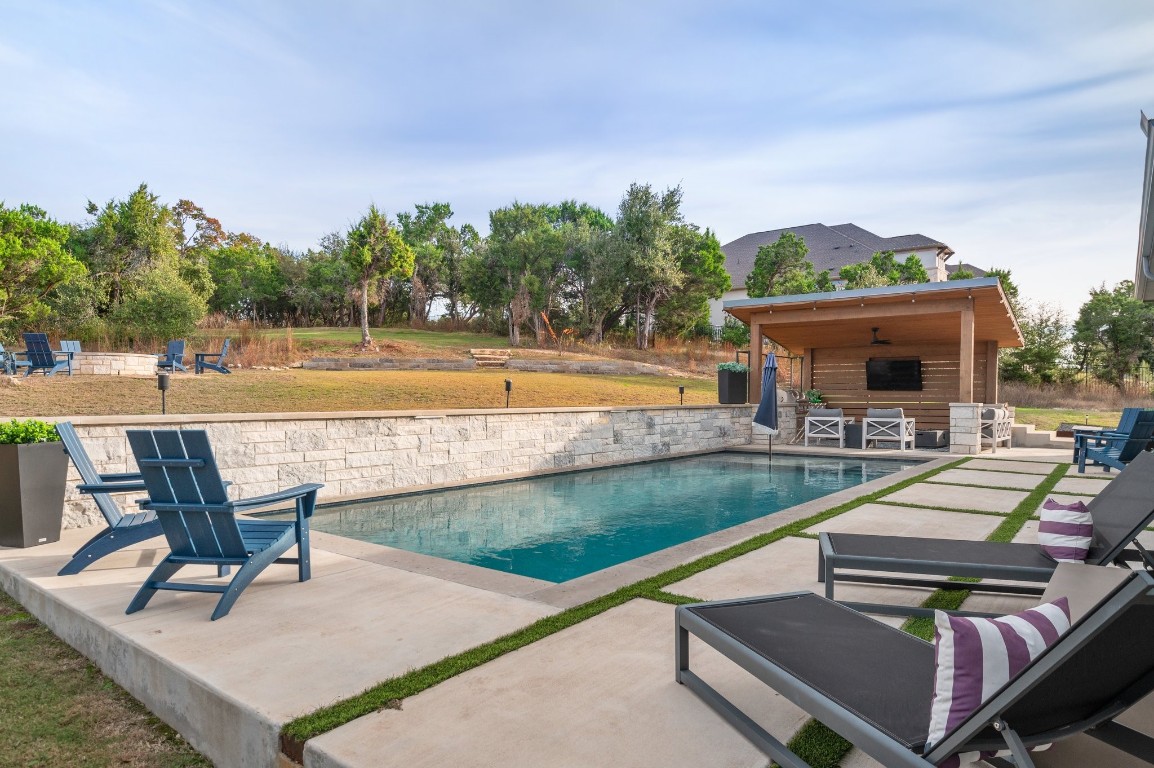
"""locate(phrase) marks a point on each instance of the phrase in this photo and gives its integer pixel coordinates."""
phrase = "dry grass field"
(296, 390)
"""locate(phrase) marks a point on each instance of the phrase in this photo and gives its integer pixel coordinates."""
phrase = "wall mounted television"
(894, 373)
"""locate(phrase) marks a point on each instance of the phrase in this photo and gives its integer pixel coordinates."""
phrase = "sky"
(1008, 131)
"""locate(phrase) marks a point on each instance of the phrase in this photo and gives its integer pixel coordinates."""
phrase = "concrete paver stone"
(1027, 482)
(955, 497)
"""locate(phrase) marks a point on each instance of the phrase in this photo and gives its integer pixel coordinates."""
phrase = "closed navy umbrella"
(766, 414)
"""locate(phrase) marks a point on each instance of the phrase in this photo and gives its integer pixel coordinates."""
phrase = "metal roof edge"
(885, 290)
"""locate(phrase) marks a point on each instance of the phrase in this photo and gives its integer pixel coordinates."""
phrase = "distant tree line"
(140, 267)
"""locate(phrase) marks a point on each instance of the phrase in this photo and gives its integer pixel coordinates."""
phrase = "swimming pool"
(560, 527)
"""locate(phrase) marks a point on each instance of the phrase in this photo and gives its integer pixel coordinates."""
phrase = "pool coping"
(574, 592)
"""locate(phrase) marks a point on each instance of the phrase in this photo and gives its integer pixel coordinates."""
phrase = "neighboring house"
(830, 248)
(952, 268)
(1144, 270)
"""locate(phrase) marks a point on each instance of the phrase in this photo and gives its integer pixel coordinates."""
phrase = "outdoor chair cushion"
(884, 413)
(975, 657)
(1066, 531)
(825, 413)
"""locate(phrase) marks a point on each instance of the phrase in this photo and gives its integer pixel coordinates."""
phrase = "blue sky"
(1007, 130)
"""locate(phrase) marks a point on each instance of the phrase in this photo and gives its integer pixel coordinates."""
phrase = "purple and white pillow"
(1066, 531)
(975, 657)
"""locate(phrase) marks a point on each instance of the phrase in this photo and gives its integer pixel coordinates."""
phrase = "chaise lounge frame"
(1122, 510)
(839, 666)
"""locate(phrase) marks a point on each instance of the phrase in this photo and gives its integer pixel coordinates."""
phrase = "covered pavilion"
(954, 329)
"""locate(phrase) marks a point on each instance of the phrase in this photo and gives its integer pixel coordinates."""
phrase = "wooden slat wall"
(840, 374)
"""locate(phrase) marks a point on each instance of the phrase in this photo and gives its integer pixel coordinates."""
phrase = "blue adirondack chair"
(1117, 451)
(1094, 436)
(187, 494)
(201, 361)
(173, 358)
(123, 530)
(70, 348)
(41, 356)
(9, 363)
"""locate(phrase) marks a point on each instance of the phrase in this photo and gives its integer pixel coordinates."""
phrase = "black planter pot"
(732, 387)
(32, 481)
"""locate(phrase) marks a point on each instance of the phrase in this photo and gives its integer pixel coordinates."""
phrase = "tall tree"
(702, 266)
(124, 238)
(34, 262)
(1114, 333)
(1009, 287)
(645, 222)
(375, 251)
(425, 232)
(782, 269)
(248, 277)
(457, 246)
(883, 268)
(1047, 342)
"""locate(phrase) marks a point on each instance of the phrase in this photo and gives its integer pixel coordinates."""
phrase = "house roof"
(978, 271)
(829, 247)
(846, 318)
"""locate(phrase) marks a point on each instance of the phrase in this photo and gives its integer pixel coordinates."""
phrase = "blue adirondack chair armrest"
(275, 498)
(121, 487)
(119, 477)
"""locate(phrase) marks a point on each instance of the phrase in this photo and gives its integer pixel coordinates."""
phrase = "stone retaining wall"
(389, 364)
(113, 364)
(365, 454)
(611, 367)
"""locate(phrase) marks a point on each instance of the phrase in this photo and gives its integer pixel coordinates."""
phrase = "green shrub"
(160, 305)
(735, 367)
(28, 431)
(736, 334)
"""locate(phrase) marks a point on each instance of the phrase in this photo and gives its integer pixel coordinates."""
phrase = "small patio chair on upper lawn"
(187, 494)
(887, 425)
(1121, 510)
(996, 427)
(874, 684)
(123, 530)
(1084, 435)
(41, 356)
(201, 360)
(173, 358)
(70, 348)
(9, 363)
(1116, 451)
(826, 424)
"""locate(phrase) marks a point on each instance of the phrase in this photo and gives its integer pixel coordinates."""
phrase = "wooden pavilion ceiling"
(904, 315)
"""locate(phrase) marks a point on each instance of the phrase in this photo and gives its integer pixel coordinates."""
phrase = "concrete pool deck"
(598, 693)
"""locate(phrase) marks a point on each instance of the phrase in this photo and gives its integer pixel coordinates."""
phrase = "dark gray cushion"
(884, 413)
(826, 413)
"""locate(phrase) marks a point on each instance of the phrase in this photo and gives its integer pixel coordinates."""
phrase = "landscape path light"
(508, 390)
(162, 383)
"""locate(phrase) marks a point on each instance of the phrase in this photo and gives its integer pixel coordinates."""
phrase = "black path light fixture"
(681, 393)
(162, 383)
(508, 390)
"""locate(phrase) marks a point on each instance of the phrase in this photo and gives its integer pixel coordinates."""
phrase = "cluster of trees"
(140, 267)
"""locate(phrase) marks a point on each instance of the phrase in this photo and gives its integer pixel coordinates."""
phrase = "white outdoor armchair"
(826, 424)
(887, 425)
(997, 427)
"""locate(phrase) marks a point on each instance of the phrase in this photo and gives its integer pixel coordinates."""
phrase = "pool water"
(560, 527)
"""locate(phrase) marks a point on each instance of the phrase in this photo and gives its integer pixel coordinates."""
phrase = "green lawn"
(1050, 418)
(431, 339)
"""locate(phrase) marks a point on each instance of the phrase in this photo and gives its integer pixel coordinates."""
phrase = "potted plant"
(813, 397)
(33, 470)
(732, 383)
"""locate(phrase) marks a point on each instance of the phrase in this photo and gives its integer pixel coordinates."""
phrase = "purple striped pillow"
(1066, 531)
(975, 657)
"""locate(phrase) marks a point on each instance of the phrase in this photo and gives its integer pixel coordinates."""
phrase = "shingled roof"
(829, 247)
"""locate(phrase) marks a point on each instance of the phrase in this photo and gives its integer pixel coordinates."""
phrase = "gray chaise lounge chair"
(1122, 510)
(874, 684)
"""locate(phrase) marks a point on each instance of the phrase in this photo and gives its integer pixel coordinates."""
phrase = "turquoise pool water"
(560, 527)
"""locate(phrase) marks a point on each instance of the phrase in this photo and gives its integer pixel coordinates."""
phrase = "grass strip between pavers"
(386, 693)
(952, 599)
(932, 508)
(986, 486)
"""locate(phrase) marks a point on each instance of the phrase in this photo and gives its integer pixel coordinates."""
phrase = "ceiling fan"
(876, 340)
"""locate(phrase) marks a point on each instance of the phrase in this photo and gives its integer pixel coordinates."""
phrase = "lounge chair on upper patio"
(1093, 435)
(200, 361)
(41, 356)
(875, 685)
(187, 494)
(9, 363)
(123, 530)
(826, 424)
(887, 425)
(1121, 511)
(1117, 451)
(173, 358)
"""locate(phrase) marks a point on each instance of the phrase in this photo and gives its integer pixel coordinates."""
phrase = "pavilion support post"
(991, 372)
(807, 370)
(755, 353)
(966, 356)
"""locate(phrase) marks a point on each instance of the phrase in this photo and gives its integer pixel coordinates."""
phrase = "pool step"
(490, 358)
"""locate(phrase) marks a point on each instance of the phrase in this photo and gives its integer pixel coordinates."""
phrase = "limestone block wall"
(363, 454)
(965, 428)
